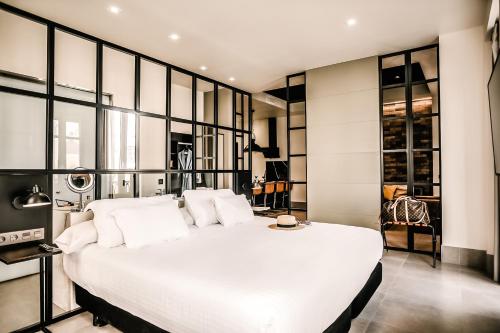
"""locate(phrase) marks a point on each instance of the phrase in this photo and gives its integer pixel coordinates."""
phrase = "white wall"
(343, 137)
(467, 155)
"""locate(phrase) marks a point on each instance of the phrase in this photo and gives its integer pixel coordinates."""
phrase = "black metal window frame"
(100, 107)
(289, 129)
(50, 97)
(409, 120)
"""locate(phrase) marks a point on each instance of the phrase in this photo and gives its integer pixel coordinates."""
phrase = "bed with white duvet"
(243, 278)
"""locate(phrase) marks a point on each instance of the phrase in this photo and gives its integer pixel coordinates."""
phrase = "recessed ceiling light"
(351, 22)
(114, 9)
(203, 68)
(231, 79)
(174, 36)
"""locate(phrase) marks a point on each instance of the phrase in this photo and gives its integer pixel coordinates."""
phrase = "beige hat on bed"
(286, 222)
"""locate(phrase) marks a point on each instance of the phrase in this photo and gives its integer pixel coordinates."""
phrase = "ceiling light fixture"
(231, 79)
(174, 36)
(203, 68)
(351, 22)
(114, 9)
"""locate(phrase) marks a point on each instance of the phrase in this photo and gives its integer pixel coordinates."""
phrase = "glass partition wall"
(142, 126)
(410, 139)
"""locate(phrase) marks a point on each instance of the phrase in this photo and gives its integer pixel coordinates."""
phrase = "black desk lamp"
(34, 199)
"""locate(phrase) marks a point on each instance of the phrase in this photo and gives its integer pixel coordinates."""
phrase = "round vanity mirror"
(80, 183)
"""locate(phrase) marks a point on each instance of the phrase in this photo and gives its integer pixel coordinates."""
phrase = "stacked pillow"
(211, 206)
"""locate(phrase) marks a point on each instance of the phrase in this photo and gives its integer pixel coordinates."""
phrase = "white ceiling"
(261, 41)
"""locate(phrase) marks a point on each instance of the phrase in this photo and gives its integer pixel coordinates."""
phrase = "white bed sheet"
(246, 278)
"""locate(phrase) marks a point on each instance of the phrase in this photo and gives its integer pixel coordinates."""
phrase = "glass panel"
(181, 146)
(394, 102)
(298, 195)
(205, 102)
(225, 150)
(75, 67)
(23, 59)
(153, 87)
(397, 236)
(181, 95)
(62, 195)
(299, 214)
(426, 132)
(239, 111)
(20, 292)
(225, 100)
(152, 140)
(298, 141)
(179, 182)
(239, 150)
(246, 107)
(424, 64)
(425, 191)
(74, 136)
(426, 165)
(425, 98)
(119, 140)
(152, 184)
(225, 180)
(114, 186)
(298, 120)
(393, 70)
(246, 154)
(423, 242)
(19, 136)
(395, 133)
(205, 148)
(118, 78)
(298, 114)
(297, 80)
(204, 180)
(298, 168)
(395, 167)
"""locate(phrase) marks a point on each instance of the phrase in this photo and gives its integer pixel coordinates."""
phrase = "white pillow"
(76, 237)
(108, 234)
(150, 224)
(233, 210)
(187, 217)
(201, 207)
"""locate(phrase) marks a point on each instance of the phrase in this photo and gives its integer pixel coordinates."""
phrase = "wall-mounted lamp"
(35, 198)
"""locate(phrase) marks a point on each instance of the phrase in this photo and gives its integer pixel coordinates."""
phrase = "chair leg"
(274, 201)
(265, 199)
(253, 200)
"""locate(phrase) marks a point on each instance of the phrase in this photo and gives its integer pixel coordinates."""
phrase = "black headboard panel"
(12, 219)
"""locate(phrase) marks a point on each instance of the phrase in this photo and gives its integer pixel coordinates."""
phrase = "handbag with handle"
(405, 209)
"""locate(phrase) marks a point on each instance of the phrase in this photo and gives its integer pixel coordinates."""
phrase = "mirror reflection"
(119, 140)
(114, 186)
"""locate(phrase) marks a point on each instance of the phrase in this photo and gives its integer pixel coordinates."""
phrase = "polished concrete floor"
(413, 297)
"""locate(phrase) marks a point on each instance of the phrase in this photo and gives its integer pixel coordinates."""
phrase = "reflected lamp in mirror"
(35, 198)
(80, 183)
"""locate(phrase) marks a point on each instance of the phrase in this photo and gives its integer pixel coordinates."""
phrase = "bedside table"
(25, 252)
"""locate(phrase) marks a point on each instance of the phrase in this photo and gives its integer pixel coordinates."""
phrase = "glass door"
(410, 139)
(296, 141)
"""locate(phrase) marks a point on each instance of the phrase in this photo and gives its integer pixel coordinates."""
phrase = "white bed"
(246, 278)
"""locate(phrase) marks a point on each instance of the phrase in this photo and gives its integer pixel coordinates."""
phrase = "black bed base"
(105, 313)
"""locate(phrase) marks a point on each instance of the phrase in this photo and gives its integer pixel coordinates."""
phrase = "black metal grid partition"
(216, 141)
(410, 137)
(297, 144)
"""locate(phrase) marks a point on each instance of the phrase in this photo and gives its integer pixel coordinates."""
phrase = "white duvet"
(245, 278)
